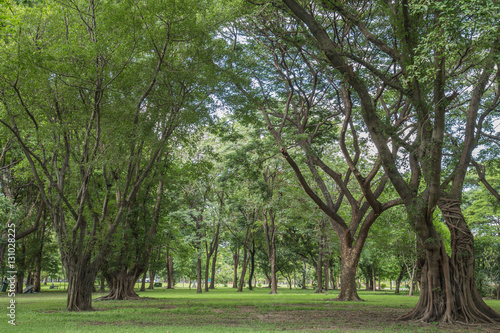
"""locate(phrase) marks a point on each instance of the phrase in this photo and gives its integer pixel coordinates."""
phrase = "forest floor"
(225, 310)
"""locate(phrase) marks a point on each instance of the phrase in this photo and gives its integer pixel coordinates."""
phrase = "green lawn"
(221, 310)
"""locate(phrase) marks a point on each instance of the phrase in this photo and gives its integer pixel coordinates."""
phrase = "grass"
(221, 310)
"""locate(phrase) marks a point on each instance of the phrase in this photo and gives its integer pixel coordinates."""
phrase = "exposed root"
(448, 291)
(116, 298)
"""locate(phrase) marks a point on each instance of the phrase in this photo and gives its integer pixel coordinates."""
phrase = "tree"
(298, 101)
(436, 61)
(88, 65)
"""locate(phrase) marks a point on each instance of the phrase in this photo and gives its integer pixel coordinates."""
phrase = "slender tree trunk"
(400, 277)
(210, 249)
(319, 269)
(374, 277)
(170, 272)
(152, 275)
(199, 289)
(327, 272)
(143, 283)
(268, 280)
(412, 281)
(333, 278)
(304, 272)
(29, 279)
(252, 265)
(270, 232)
(38, 271)
(214, 261)
(236, 258)
(207, 272)
(38, 277)
(102, 289)
(243, 269)
(273, 283)
(19, 282)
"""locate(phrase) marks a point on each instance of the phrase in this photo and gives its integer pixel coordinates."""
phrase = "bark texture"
(122, 286)
(448, 290)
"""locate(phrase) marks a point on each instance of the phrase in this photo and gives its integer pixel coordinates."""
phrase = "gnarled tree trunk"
(122, 285)
(448, 291)
(81, 276)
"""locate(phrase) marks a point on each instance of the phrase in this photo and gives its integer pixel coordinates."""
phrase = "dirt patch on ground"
(306, 317)
(327, 318)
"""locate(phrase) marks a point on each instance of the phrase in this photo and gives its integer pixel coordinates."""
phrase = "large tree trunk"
(348, 291)
(81, 276)
(448, 291)
(80, 292)
(122, 285)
